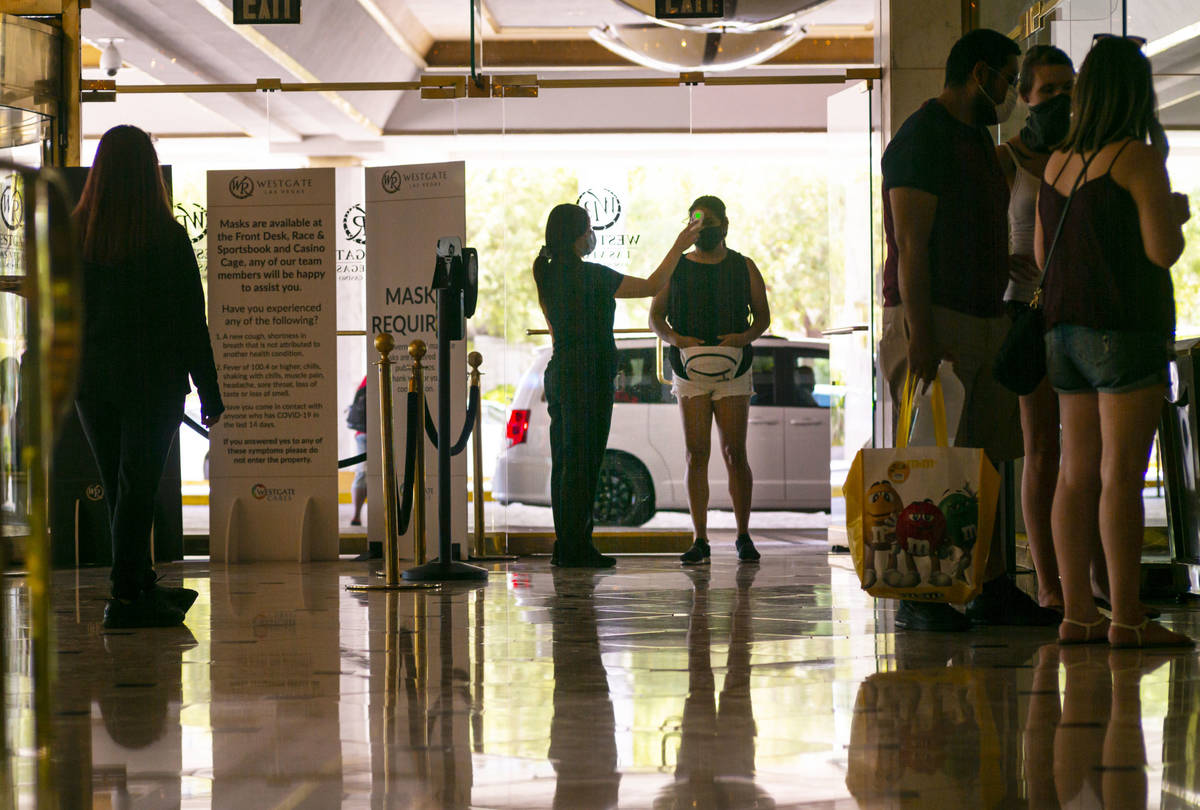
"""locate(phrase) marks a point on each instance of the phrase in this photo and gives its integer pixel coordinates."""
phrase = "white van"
(788, 439)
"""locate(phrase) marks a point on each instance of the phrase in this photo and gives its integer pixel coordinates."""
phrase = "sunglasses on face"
(1139, 41)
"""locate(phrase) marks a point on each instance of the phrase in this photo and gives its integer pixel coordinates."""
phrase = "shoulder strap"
(1118, 155)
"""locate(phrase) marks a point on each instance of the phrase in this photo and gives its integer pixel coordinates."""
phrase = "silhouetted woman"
(144, 334)
(1110, 310)
(578, 299)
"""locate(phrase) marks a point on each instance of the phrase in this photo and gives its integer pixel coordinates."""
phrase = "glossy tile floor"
(778, 685)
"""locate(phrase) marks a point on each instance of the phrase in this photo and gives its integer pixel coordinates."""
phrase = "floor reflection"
(715, 761)
(583, 745)
(778, 685)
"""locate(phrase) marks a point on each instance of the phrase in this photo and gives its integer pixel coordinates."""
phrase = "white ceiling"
(194, 41)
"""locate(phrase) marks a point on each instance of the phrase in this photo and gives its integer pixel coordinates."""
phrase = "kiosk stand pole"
(444, 568)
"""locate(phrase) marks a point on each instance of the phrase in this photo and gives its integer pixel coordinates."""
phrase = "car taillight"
(517, 429)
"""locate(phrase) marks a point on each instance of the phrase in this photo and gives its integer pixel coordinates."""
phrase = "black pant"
(580, 405)
(130, 443)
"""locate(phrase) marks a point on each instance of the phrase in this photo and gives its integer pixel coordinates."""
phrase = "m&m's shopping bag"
(920, 519)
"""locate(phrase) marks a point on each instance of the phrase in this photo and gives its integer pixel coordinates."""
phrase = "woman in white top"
(1046, 80)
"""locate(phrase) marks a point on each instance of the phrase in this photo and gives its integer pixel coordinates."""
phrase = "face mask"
(1047, 124)
(1004, 108)
(591, 243)
(710, 237)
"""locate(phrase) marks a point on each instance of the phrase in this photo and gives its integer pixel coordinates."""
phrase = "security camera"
(110, 59)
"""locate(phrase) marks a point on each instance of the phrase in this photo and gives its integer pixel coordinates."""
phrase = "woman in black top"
(1110, 310)
(144, 334)
(717, 298)
(578, 299)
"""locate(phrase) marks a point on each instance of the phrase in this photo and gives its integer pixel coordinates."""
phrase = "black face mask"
(1047, 124)
(710, 237)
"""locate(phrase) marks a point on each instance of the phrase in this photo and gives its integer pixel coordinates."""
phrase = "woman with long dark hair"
(144, 335)
(578, 299)
(1110, 310)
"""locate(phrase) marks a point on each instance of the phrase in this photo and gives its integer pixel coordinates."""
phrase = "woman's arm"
(1161, 214)
(197, 340)
(759, 309)
(660, 327)
(634, 287)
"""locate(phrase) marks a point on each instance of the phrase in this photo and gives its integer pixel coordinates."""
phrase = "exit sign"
(688, 9)
(266, 12)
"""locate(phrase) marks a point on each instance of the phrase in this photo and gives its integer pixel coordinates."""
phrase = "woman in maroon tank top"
(1109, 308)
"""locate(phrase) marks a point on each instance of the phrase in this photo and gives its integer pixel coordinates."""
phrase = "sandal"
(1088, 627)
(1181, 641)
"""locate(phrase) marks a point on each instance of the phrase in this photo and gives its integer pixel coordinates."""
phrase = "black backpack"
(356, 414)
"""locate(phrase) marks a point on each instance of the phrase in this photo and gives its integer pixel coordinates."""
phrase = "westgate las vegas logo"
(12, 206)
(613, 244)
(261, 492)
(393, 179)
(244, 186)
(354, 224)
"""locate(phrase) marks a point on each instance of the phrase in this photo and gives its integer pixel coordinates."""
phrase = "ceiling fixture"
(741, 16)
(750, 33)
(673, 50)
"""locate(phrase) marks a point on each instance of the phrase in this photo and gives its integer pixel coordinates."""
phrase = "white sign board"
(408, 209)
(354, 354)
(272, 312)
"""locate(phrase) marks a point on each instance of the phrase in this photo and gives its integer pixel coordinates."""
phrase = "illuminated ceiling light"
(741, 16)
(1172, 39)
(698, 49)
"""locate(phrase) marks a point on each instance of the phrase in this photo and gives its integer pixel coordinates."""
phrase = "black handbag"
(1020, 364)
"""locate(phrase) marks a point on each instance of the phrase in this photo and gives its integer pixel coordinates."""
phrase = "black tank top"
(1099, 275)
(708, 300)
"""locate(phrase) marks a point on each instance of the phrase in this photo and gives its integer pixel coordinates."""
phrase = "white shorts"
(741, 386)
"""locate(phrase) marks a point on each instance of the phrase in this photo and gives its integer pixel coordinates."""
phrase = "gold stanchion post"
(474, 360)
(384, 344)
(391, 555)
(478, 544)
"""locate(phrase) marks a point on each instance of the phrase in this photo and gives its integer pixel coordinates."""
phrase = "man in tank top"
(945, 213)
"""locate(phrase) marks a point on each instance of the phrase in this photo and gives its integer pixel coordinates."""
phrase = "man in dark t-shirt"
(945, 204)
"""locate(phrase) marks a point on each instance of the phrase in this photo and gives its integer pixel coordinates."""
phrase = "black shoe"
(355, 522)
(937, 617)
(150, 609)
(181, 599)
(1003, 603)
(745, 549)
(698, 554)
(590, 558)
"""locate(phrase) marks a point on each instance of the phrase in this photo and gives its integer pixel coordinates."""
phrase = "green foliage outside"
(777, 218)
(1186, 274)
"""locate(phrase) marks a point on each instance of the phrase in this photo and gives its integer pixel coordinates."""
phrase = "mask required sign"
(266, 12)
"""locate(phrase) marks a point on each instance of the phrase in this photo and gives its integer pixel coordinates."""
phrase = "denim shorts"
(1080, 359)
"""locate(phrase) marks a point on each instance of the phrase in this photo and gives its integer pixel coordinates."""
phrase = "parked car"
(788, 438)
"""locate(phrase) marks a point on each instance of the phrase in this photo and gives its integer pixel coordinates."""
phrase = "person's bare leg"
(1075, 510)
(733, 414)
(1127, 425)
(358, 496)
(697, 435)
(1039, 424)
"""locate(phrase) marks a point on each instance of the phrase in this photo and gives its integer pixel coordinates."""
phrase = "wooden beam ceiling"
(584, 53)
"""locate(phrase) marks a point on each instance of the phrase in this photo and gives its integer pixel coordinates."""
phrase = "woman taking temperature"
(578, 299)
